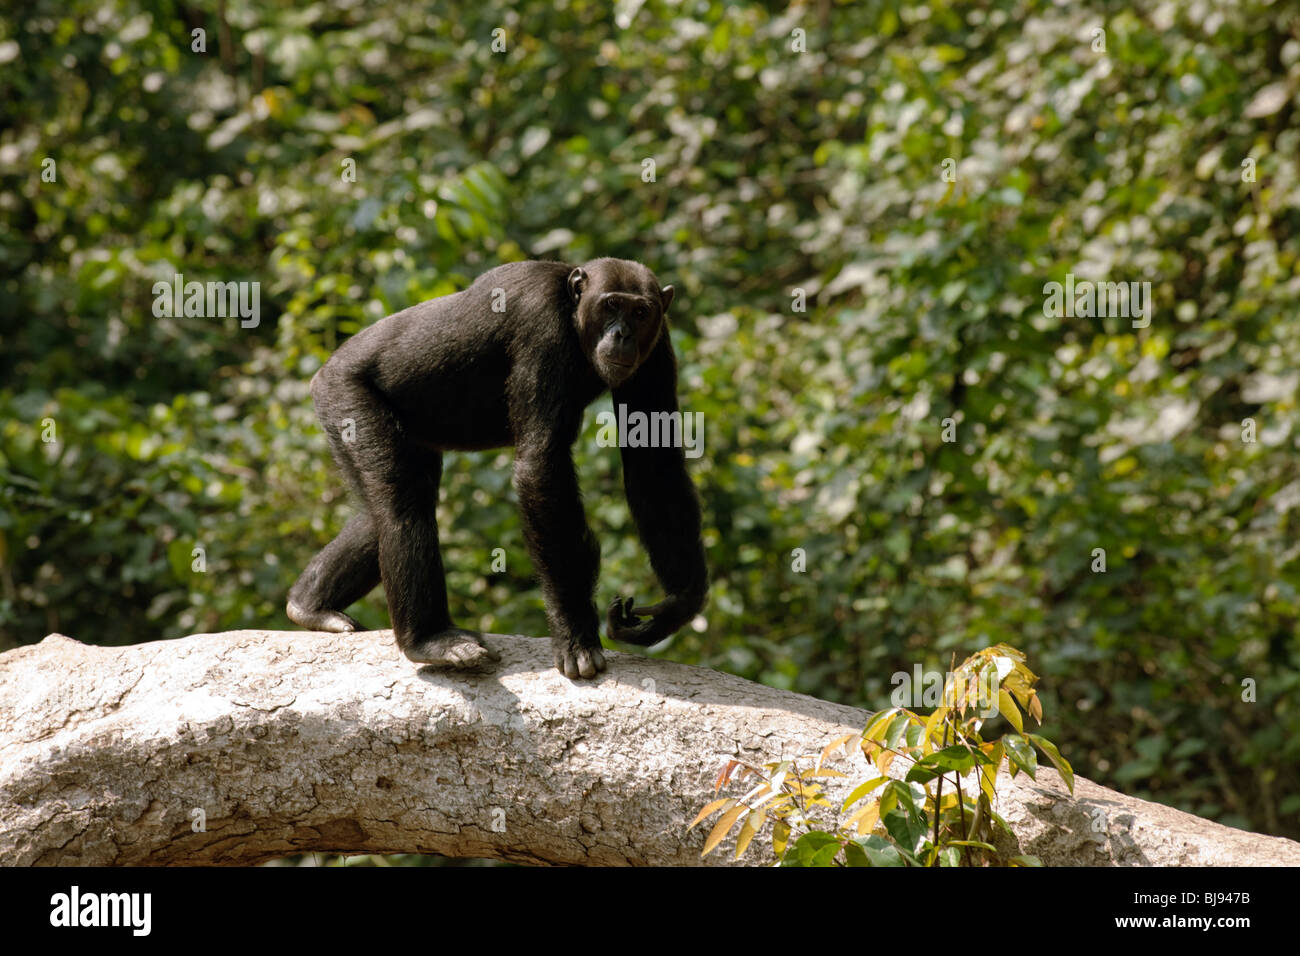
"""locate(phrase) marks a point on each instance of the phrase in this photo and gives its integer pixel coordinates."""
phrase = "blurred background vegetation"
(776, 170)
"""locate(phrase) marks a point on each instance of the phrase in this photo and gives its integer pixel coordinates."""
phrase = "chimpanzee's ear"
(666, 294)
(577, 279)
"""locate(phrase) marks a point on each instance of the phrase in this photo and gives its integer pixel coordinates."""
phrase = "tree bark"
(241, 747)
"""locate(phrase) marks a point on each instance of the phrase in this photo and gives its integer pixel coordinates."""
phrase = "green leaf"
(1060, 763)
(814, 848)
(861, 790)
(907, 831)
(880, 852)
(956, 758)
(855, 855)
(897, 729)
(1020, 754)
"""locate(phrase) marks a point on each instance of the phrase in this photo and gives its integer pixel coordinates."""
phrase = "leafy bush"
(910, 821)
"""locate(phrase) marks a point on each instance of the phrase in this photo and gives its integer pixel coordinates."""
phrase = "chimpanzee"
(512, 360)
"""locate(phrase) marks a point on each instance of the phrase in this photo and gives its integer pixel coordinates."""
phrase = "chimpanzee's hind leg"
(344, 572)
(396, 478)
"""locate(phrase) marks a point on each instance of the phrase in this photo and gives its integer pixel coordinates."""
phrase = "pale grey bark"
(286, 742)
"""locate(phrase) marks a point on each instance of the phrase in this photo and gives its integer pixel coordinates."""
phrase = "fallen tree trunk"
(241, 747)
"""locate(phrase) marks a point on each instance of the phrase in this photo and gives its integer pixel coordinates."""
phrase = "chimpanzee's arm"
(666, 509)
(564, 552)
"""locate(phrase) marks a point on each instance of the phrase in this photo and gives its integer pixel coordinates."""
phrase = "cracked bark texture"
(287, 742)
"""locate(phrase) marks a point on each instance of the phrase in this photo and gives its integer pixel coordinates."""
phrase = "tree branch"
(240, 747)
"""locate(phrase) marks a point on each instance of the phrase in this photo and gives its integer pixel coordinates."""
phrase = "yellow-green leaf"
(878, 724)
(883, 760)
(866, 818)
(861, 790)
(1060, 763)
(780, 835)
(989, 772)
(827, 772)
(833, 745)
(932, 722)
(747, 831)
(709, 810)
(720, 829)
(1008, 709)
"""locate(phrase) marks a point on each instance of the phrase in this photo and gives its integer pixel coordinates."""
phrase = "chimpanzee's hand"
(623, 622)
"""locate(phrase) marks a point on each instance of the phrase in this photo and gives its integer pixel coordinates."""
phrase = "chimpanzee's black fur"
(452, 374)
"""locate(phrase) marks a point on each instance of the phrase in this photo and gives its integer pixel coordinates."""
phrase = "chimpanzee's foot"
(453, 648)
(575, 660)
(334, 621)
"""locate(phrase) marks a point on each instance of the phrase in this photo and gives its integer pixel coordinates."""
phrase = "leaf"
(907, 830)
(724, 776)
(1007, 708)
(981, 845)
(889, 796)
(989, 772)
(1020, 754)
(747, 831)
(864, 819)
(720, 829)
(861, 790)
(883, 760)
(877, 725)
(780, 835)
(826, 855)
(880, 852)
(709, 810)
(897, 730)
(933, 723)
(813, 849)
(1060, 763)
(957, 758)
(833, 745)
(775, 796)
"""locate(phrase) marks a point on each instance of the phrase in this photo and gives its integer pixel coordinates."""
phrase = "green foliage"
(775, 171)
(910, 821)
